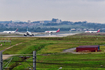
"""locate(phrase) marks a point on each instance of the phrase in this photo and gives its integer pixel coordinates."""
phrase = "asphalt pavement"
(40, 35)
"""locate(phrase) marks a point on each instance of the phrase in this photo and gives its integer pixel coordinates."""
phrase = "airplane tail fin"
(98, 31)
(58, 30)
(16, 30)
(27, 29)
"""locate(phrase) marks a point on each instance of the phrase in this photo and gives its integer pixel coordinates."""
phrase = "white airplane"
(50, 32)
(9, 32)
(28, 33)
(92, 31)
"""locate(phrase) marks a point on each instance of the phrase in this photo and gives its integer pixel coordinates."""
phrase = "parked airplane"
(10, 31)
(50, 32)
(92, 31)
(28, 33)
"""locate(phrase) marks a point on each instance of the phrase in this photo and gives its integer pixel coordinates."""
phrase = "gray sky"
(71, 10)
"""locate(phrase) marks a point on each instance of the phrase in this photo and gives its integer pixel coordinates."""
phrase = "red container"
(91, 48)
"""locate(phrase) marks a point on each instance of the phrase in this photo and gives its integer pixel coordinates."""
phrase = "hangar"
(89, 48)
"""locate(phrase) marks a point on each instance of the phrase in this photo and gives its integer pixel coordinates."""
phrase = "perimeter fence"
(16, 60)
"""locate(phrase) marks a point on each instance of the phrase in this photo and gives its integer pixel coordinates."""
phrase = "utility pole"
(34, 60)
(1, 61)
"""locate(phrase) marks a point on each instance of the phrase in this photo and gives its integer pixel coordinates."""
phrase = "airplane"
(9, 32)
(28, 33)
(92, 31)
(50, 32)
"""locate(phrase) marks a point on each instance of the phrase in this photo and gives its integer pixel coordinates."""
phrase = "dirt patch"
(73, 51)
(6, 56)
(10, 47)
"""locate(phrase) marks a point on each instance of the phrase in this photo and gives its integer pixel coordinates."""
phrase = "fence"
(4, 41)
(1, 61)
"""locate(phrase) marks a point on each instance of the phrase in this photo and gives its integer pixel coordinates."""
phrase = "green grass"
(66, 61)
(14, 41)
(51, 57)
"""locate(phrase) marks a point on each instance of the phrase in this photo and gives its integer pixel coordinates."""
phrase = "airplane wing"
(22, 33)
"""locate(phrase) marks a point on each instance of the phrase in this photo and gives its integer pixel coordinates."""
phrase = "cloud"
(95, 0)
(10, 2)
(47, 9)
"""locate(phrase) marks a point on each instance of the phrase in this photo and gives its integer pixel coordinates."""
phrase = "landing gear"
(32, 34)
(25, 35)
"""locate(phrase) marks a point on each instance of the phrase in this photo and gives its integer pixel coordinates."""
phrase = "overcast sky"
(70, 10)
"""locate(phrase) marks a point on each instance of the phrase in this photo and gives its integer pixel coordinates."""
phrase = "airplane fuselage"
(92, 31)
(28, 34)
(50, 32)
(9, 32)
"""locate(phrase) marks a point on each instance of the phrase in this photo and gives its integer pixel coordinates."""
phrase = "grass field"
(51, 56)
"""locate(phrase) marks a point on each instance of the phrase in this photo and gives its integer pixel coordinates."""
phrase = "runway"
(55, 35)
(60, 34)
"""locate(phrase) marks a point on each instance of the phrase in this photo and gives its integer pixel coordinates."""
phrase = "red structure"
(90, 48)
